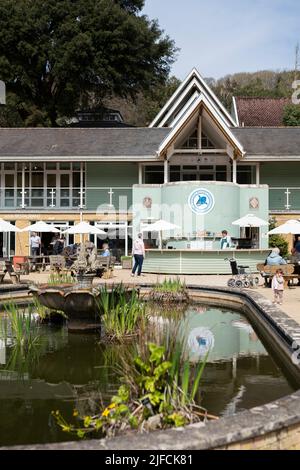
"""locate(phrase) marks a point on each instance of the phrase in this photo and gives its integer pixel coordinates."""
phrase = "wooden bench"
(106, 263)
(6, 266)
(2, 271)
(267, 272)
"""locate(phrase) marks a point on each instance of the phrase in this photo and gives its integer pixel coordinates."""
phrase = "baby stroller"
(242, 275)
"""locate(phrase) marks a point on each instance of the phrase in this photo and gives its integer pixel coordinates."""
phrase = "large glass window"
(154, 174)
(245, 174)
(39, 184)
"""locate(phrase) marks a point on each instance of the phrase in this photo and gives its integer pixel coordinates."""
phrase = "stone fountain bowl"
(80, 305)
(76, 303)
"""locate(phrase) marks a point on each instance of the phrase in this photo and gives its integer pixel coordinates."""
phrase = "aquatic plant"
(122, 311)
(157, 392)
(40, 309)
(23, 325)
(169, 290)
(60, 278)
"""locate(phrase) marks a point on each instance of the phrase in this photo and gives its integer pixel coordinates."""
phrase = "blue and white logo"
(201, 201)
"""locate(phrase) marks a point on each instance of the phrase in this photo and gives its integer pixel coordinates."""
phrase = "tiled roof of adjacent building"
(269, 141)
(76, 142)
(256, 112)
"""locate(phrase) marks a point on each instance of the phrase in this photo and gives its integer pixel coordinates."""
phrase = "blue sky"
(220, 37)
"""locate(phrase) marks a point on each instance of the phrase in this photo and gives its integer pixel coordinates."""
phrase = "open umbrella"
(84, 227)
(41, 227)
(250, 220)
(8, 227)
(159, 226)
(291, 226)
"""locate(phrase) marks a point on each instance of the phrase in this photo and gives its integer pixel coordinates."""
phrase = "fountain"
(78, 301)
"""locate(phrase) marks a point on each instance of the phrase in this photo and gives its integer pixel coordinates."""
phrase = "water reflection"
(225, 334)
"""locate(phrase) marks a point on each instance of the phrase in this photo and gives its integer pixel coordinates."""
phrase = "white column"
(166, 171)
(126, 239)
(23, 186)
(257, 173)
(140, 173)
(234, 171)
(81, 192)
(199, 132)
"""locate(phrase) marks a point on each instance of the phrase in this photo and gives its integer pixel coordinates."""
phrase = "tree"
(56, 56)
(277, 240)
(291, 115)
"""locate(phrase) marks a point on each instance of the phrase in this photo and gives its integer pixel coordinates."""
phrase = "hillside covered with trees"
(59, 57)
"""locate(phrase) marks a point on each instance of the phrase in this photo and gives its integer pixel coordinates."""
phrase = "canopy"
(7, 227)
(41, 227)
(291, 226)
(250, 220)
(159, 226)
(85, 227)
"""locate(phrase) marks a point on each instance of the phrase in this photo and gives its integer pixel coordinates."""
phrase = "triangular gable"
(194, 109)
(179, 98)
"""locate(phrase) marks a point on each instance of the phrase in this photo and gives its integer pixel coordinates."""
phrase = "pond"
(65, 371)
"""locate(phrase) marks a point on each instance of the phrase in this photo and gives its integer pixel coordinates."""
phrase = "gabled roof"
(193, 83)
(119, 143)
(194, 108)
(266, 143)
(257, 112)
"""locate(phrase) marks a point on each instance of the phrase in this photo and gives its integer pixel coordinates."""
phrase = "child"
(278, 286)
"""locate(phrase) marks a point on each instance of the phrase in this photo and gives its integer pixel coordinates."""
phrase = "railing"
(284, 199)
(90, 198)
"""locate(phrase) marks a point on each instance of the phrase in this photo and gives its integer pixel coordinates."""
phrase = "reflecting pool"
(66, 371)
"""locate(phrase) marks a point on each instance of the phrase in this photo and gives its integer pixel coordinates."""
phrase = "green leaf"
(161, 369)
(157, 353)
(198, 375)
(145, 368)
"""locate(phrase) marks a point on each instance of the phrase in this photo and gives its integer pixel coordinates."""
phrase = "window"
(192, 141)
(154, 174)
(221, 173)
(206, 143)
(245, 174)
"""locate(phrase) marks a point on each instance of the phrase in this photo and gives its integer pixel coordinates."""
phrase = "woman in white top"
(138, 252)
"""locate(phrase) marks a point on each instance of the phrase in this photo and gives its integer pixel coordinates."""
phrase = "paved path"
(291, 304)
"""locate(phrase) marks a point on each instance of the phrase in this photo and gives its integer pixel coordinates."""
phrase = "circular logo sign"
(201, 201)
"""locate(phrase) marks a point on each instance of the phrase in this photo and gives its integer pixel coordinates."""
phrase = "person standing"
(225, 241)
(278, 287)
(138, 252)
(35, 243)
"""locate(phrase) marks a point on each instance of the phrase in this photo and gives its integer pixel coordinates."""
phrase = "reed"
(60, 278)
(23, 325)
(122, 312)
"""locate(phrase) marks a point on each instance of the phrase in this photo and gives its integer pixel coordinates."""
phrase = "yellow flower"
(105, 412)
(75, 413)
(111, 406)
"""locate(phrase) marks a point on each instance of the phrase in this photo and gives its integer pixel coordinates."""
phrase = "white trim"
(194, 74)
(267, 158)
(201, 99)
(76, 158)
(236, 116)
(182, 111)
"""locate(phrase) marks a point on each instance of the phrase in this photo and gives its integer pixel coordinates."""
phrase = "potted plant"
(126, 262)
